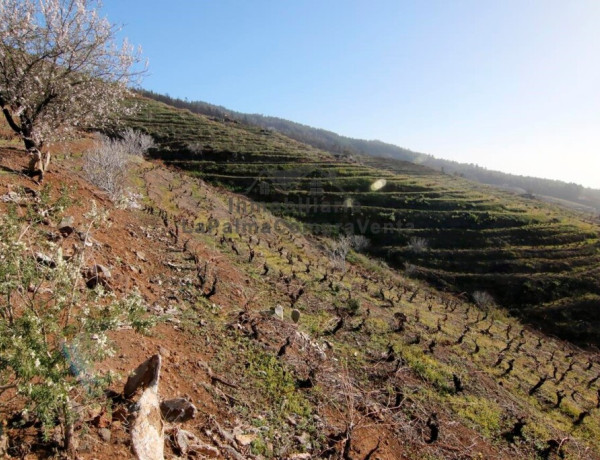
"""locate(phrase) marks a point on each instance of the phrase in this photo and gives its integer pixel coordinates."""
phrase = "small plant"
(483, 300)
(483, 413)
(353, 306)
(417, 244)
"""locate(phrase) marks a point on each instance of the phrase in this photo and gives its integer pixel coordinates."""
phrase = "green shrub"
(278, 386)
(52, 328)
(353, 306)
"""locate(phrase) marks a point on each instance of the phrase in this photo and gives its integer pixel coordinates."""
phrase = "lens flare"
(378, 184)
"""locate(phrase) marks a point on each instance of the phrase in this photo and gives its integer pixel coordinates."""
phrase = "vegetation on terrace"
(569, 194)
(524, 252)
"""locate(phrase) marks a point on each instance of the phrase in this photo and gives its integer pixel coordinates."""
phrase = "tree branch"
(11, 122)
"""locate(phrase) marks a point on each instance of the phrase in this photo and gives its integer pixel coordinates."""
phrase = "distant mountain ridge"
(570, 194)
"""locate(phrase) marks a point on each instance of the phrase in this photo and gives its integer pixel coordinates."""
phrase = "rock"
(142, 376)
(98, 274)
(97, 416)
(304, 441)
(279, 311)
(53, 236)
(65, 231)
(66, 221)
(45, 260)
(188, 443)
(87, 240)
(66, 226)
(245, 439)
(147, 429)
(11, 197)
(178, 410)
(295, 315)
(165, 353)
(104, 434)
(103, 270)
(140, 255)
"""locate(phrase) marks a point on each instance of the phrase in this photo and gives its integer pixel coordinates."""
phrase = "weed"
(484, 414)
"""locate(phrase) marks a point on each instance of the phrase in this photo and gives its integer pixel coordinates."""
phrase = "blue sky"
(512, 85)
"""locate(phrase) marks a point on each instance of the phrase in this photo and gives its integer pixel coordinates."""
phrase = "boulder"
(295, 316)
(142, 376)
(147, 429)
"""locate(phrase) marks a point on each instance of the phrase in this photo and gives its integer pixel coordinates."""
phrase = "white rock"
(147, 429)
(279, 311)
(188, 443)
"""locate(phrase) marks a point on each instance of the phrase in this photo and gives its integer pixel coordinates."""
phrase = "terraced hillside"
(537, 260)
(360, 362)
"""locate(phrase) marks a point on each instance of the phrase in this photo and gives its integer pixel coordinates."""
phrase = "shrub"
(418, 244)
(483, 300)
(136, 142)
(353, 306)
(106, 165)
(359, 242)
(52, 328)
(341, 247)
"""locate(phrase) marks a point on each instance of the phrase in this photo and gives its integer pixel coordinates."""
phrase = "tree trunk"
(38, 162)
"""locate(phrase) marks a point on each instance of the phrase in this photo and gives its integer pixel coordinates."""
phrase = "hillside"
(378, 365)
(568, 194)
(538, 260)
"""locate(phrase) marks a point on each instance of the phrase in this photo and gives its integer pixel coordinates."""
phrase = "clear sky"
(512, 85)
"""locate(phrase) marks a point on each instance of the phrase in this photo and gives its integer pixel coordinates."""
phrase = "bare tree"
(60, 69)
(483, 300)
(341, 247)
(359, 242)
(136, 142)
(339, 251)
(417, 244)
(105, 165)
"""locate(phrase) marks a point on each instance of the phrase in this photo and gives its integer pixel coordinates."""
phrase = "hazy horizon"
(508, 86)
